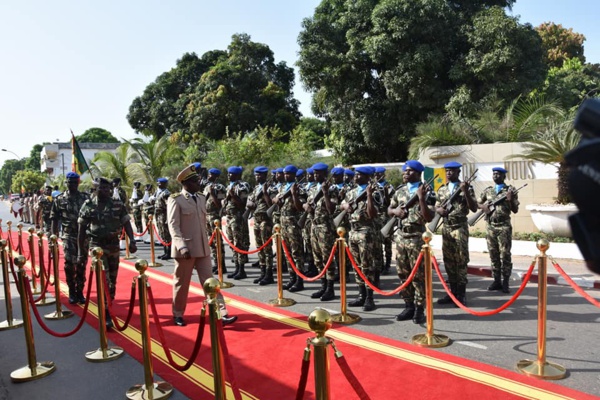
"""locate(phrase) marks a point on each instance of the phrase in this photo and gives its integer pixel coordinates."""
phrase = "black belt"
(411, 229)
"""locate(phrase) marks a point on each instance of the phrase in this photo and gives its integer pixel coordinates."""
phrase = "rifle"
(226, 200)
(248, 213)
(388, 227)
(285, 196)
(447, 205)
(477, 216)
(340, 217)
(312, 204)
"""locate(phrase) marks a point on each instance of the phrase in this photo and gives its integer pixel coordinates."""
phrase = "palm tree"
(114, 165)
(151, 160)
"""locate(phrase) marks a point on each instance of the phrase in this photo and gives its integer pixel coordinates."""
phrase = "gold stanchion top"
(211, 286)
(97, 252)
(341, 231)
(40, 233)
(217, 223)
(20, 226)
(150, 217)
(31, 230)
(20, 261)
(319, 321)
(53, 238)
(141, 266)
(9, 223)
(427, 237)
(3, 244)
(543, 245)
(277, 228)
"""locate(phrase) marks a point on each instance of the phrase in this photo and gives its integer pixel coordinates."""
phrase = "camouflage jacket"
(459, 210)
(221, 192)
(502, 211)
(65, 208)
(104, 223)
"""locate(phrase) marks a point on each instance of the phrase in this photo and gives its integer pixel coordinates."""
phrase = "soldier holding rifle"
(499, 228)
(454, 200)
(215, 193)
(237, 228)
(410, 204)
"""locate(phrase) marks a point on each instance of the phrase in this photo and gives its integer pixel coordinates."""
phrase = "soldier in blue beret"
(237, 228)
(214, 171)
(349, 177)
(387, 190)
(160, 216)
(306, 229)
(214, 192)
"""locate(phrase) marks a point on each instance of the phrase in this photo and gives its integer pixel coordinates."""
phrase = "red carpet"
(266, 347)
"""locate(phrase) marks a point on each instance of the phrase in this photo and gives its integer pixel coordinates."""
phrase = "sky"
(79, 64)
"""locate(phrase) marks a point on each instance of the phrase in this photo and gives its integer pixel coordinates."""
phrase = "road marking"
(471, 344)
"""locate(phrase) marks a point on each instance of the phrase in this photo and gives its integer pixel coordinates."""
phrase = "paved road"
(501, 340)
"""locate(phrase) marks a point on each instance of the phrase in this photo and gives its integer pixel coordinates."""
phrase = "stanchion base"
(547, 370)
(27, 374)
(6, 325)
(112, 353)
(155, 265)
(45, 301)
(434, 341)
(129, 258)
(226, 285)
(161, 390)
(346, 319)
(282, 302)
(63, 314)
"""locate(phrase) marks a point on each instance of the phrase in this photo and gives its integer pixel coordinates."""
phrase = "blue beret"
(320, 167)
(415, 165)
(261, 170)
(162, 180)
(214, 171)
(337, 171)
(300, 172)
(234, 170)
(310, 171)
(366, 170)
(279, 170)
(379, 170)
(72, 175)
(499, 169)
(452, 164)
(290, 169)
(348, 172)
(197, 165)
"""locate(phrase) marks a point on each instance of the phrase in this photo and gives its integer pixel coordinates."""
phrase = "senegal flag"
(78, 163)
(429, 173)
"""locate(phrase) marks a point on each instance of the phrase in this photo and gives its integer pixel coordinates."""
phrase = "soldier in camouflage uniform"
(387, 191)
(361, 203)
(499, 228)
(455, 231)
(65, 212)
(409, 240)
(235, 205)
(321, 202)
(263, 224)
(44, 208)
(289, 200)
(160, 212)
(136, 207)
(215, 193)
(147, 208)
(307, 228)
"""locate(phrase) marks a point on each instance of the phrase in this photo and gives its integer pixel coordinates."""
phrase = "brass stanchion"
(20, 238)
(541, 368)
(159, 390)
(128, 255)
(211, 289)
(429, 339)
(31, 245)
(34, 369)
(44, 300)
(319, 322)
(220, 261)
(10, 322)
(104, 353)
(9, 238)
(280, 301)
(59, 313)
(152, 264)
(343, 317)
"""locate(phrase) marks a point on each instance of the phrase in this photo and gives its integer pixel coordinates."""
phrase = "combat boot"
(419, 316)
(235, 272)
(369, 302)
(447, 299)
(291, 282)
(268, 279)
(505, 281)
(320, 292)
(72, 294)
(298, 285)
(79, 294)
(241, 273)
(461, 294)
(329, 292)
(407, 313)
(167, 255)
(256, 264)
(263, 272)
(360, 300)
(496, 285)
(108, 319)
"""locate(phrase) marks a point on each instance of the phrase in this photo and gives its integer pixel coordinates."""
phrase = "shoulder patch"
(175, 194)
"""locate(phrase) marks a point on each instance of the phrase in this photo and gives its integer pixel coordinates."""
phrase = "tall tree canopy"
(97, 135)
(378, 67)
(560, 44)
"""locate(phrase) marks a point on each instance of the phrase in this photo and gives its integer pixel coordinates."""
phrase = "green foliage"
(560, 44)
(96, 135)
(571, 83)
(438, 131)
(28, 181)
(7, 173)
(33, 162)
(527, 236)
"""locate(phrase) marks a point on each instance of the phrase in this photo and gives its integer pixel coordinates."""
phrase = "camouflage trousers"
(408, 249)
(292, 236)
(322, 237)
(210, 228)
(263, 230)
(363, 243)
(245, 238)
(110, 263)
(455, 248)
(163, 228)
(499, 244)
(306, 231)
(137, 219)
(74, 272)
(236, 235)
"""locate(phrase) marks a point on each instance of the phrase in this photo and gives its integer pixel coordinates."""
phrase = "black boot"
(461, 294)
(419, 316)
(407, 313)
(298, 285)
(320, 292)
(80, 297)
(241, 273)
(235, 272)
(329, 292)
(291, 282)
(360, 300)
(268, 279)
(284, 267)
(387, 266)
(215, 268)
(263, 272)
(447, 299)
(167, 255)
(256, 264)
(496, 285)
(72, 294)
(108, 319)
(505, 288)
(369, 302)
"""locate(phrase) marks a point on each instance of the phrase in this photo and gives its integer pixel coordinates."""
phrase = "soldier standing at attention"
(215, 193)
(235, 205)
(136, 196)
(349, 178)
(160, 212)
(499, 228)
(65, 212)
(307, 228)
(388, 191)
(409, 240)
(455, 231)
(147, 208)
(44, 209)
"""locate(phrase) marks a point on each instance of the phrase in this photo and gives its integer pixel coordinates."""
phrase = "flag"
(431, 172)
(78, 163)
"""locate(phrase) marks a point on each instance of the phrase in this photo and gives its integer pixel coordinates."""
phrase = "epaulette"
(173, 195)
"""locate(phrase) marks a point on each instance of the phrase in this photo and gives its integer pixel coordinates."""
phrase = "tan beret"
(187, 173)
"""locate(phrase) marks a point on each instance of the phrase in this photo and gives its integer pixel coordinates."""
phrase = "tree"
(96, 135)
(27, 181)
(572, 82)
(7, 173)
(560, 44)
(33, 162)
(149, 160)
(377, 68)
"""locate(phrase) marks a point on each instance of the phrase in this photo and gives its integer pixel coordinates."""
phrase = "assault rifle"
(447, 205)
(340, 217)
(492, 206)
(287, 194)
(248, 213)
(388, 228)
(312, 204)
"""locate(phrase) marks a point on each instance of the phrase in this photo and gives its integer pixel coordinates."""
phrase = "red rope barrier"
(351, 378)
(304, 372)
(212, 237)
(297, 271)
(375, 288)
(121, 328)
(164, 342)
(227, 360)
(575, 286)
(141, 234)
(159, 238)
(484, 313)
(244, 251)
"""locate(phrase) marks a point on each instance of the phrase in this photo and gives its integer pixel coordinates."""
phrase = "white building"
(56, 157)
